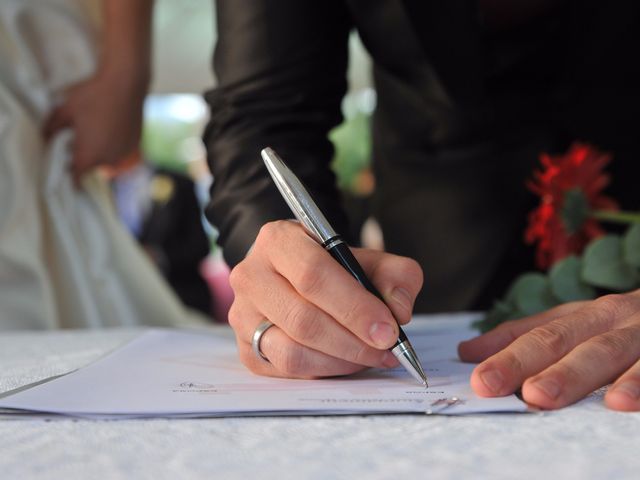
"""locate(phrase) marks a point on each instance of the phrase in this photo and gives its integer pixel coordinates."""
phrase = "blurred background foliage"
(352, 140)
(175, 114)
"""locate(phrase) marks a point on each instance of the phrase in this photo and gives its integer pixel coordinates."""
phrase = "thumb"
(59, 119)
(398, 279)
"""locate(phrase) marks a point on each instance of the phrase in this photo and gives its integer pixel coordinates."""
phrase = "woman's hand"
(105, 113)
(564, 354)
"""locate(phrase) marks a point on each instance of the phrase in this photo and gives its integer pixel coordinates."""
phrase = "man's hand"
(326, 323)
(105, 113)
(562, 355)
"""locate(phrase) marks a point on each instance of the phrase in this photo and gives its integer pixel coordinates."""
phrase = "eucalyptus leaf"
(531, 293)
(631, 246)
(604, 266)
(566, 282)
(501, 312)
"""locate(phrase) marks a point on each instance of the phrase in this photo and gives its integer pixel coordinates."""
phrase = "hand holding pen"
(325, 322)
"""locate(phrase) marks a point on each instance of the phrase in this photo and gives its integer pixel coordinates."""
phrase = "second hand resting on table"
(327, 325)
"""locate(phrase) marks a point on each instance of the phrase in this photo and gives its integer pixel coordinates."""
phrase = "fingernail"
(389, 360)
(549, 387)
(630, 389)
(402, 297)
(493, 380)
(382, 334)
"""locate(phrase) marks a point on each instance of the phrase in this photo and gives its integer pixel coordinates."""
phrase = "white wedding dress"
(65, 259)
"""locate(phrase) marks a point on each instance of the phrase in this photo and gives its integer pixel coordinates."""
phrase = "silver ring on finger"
(262, 327)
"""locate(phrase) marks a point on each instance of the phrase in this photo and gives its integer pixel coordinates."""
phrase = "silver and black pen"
(308, 213)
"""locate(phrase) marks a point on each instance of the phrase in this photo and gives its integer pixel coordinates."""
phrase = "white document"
(169, 373)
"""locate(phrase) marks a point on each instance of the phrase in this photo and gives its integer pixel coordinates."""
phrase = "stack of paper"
(169, 373)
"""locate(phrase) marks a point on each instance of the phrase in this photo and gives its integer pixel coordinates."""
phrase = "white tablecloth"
(583, 441)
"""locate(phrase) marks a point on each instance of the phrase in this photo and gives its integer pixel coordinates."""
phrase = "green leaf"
(566, 282)
(531, 293)
(575, 210)
(604, 266)
(501, 312)
(631, 246)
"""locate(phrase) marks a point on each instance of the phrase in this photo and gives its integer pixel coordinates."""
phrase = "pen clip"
(444, 403)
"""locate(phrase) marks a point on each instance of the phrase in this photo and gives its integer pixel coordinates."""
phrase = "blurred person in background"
(469, 92)
(73, 77)
(160, 208)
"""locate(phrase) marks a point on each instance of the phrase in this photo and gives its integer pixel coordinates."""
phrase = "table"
(583, 441)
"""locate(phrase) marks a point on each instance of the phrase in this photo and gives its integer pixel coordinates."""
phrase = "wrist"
(126, 43)
(132, 73)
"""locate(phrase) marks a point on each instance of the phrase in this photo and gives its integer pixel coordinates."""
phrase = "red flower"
(570, 188)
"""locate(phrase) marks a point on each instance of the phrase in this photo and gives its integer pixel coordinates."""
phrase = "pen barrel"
(342, 253)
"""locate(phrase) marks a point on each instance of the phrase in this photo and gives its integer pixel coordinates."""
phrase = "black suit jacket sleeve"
(281, 70)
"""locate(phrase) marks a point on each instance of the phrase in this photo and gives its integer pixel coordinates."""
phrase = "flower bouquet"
(577, 258)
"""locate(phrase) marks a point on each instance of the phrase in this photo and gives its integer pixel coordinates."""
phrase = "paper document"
(169, 373)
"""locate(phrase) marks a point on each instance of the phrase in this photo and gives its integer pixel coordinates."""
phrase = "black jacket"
(464, 108)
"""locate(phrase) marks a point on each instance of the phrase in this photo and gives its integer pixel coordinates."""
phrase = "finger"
(242, 316)
(302, 321)
(398, 279)
(288, 358)
(78, 173)
(587, 367)
(82, 162)
(322, 281)
(624, 394)
(244, 319)
(312, 327)
(58, 120)
(482, 347)
(544, 345)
